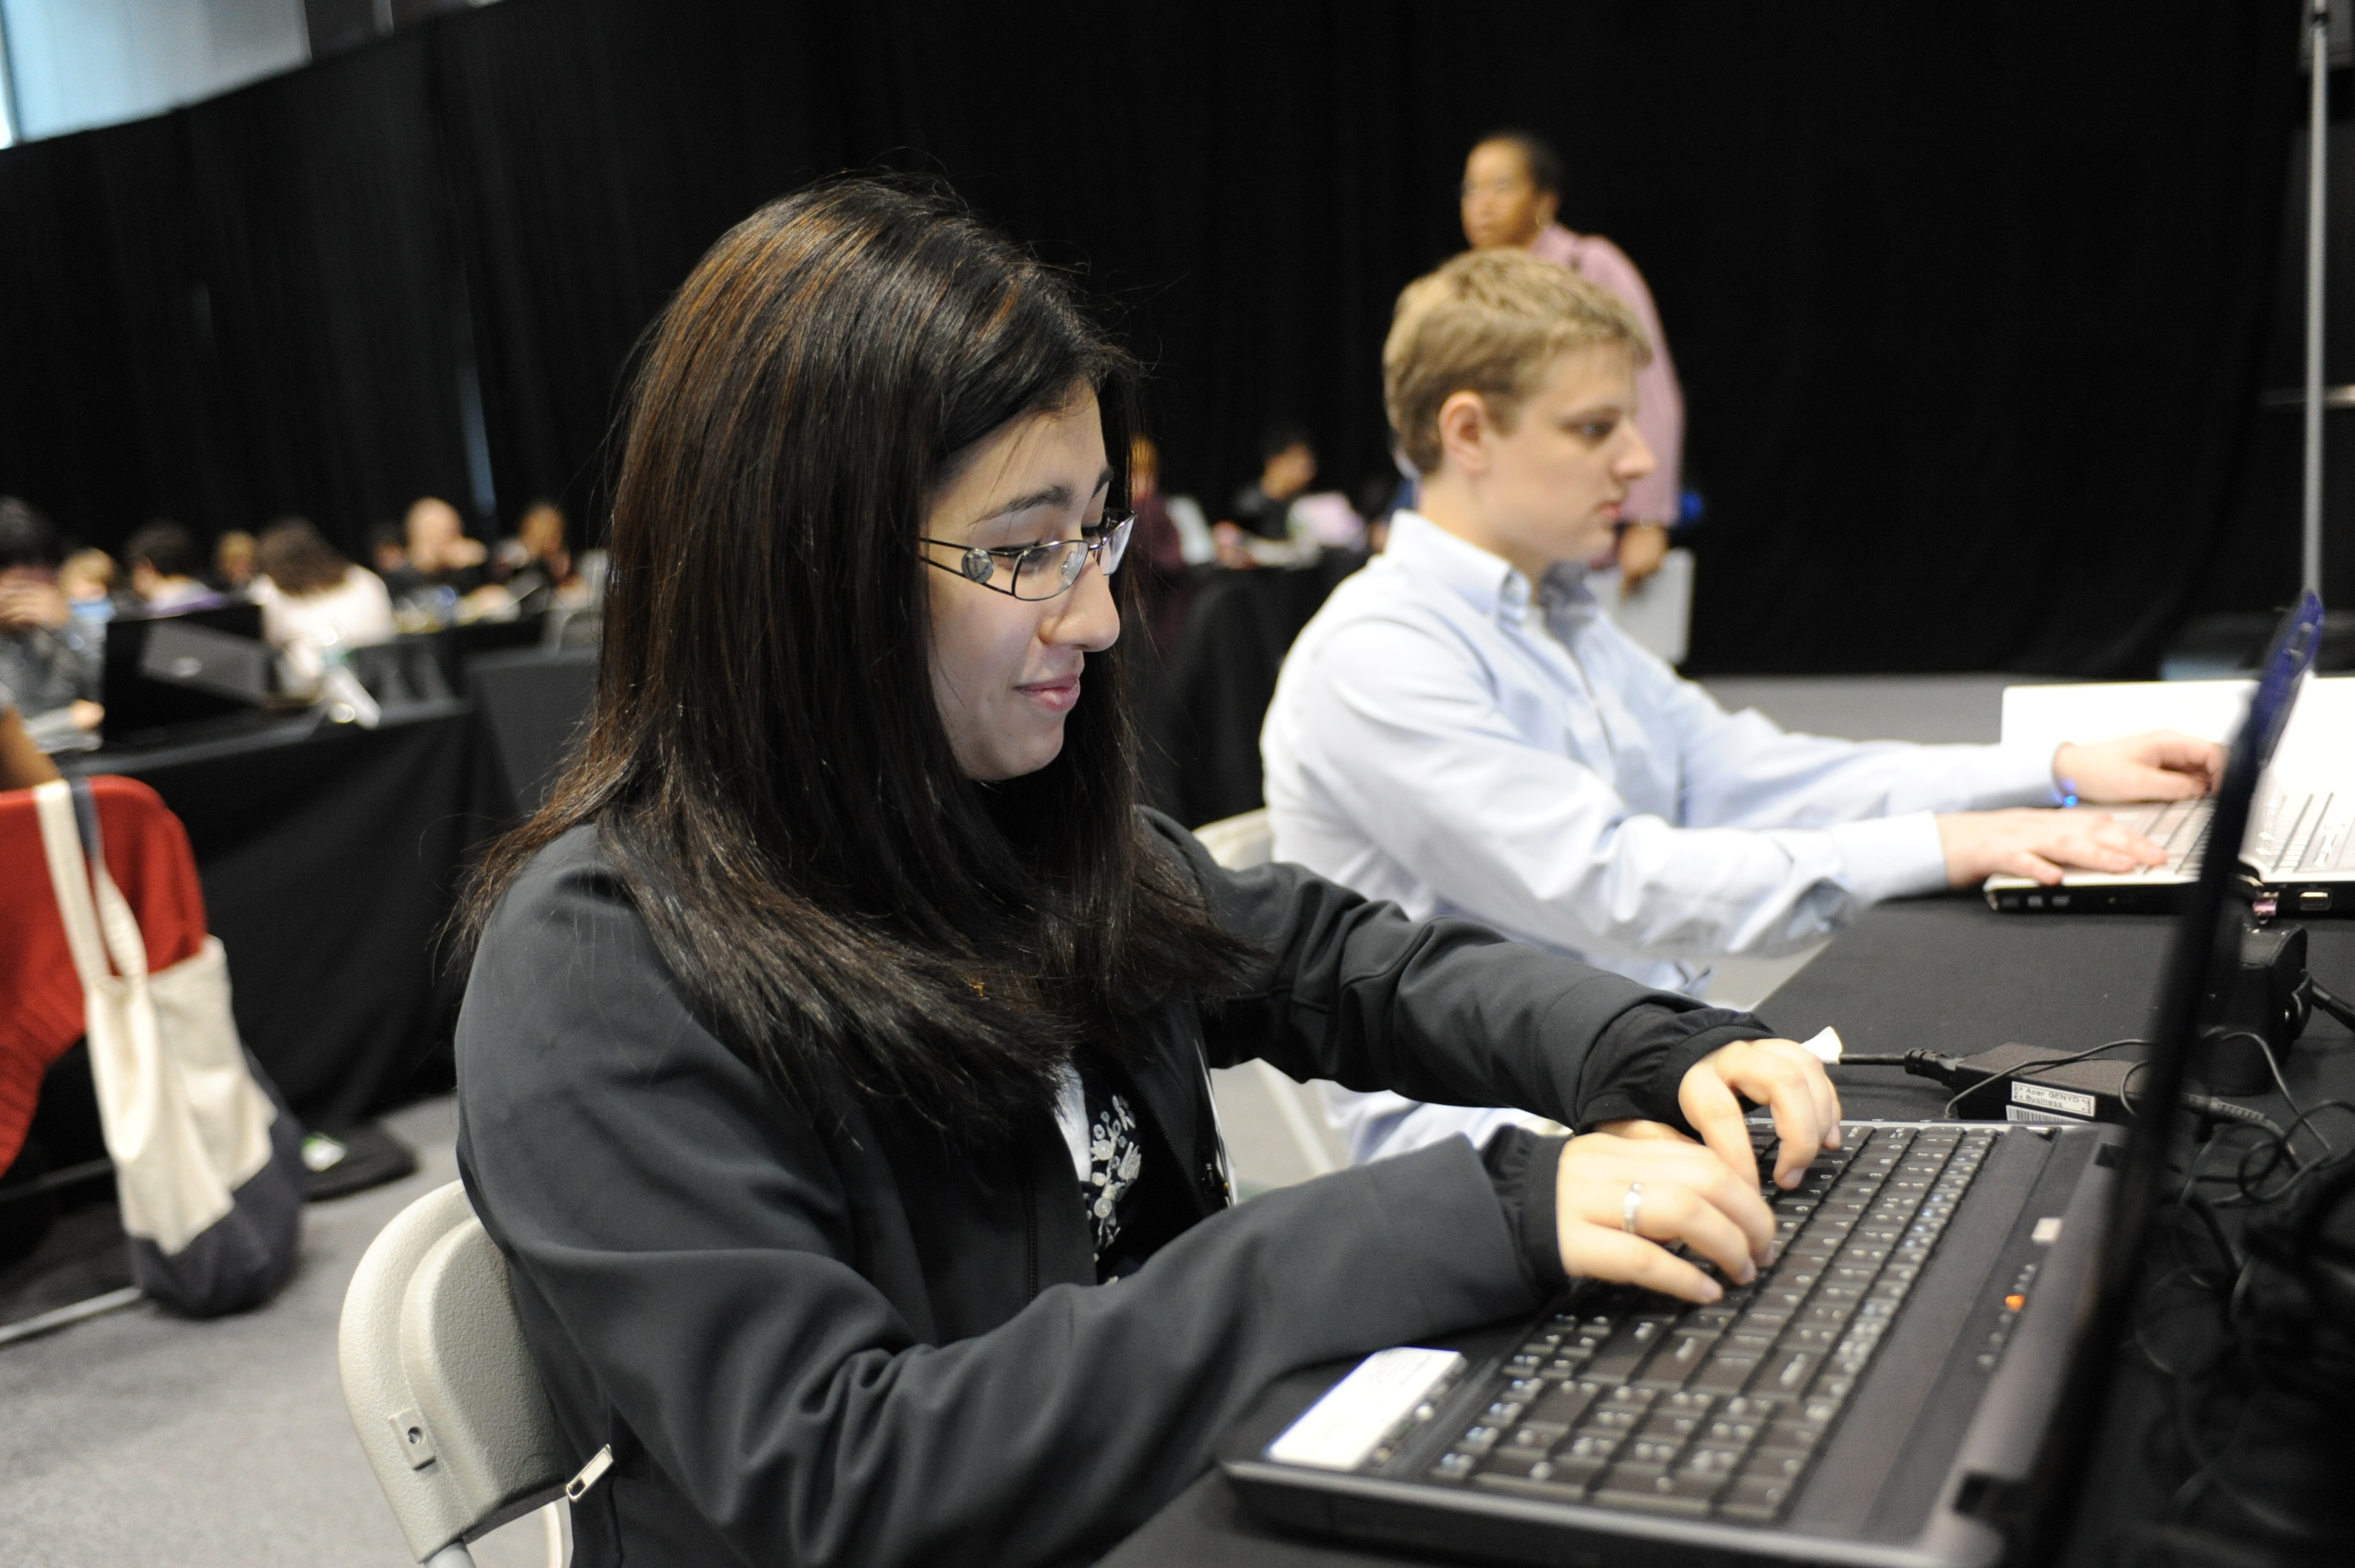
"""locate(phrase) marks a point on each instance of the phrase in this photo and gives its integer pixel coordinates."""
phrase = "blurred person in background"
(1164, 586)
(50, 661)
(539, 568)
(1266, 531)
(164, 560)
(388, 549)
(313, 600)
(90, 581)
(440, 555)
(233, 565)
(1511, 193)
(23, 763)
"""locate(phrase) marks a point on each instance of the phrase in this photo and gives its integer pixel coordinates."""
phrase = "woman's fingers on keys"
(1675, 1190)
(1819, 1085)
(1709, 1106)
(1596, 1251)
(1677, 1213)
(1783, 1076)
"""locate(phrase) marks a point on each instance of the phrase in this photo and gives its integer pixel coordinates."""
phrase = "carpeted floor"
(136, 1438)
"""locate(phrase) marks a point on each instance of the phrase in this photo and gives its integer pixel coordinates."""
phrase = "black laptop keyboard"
(1641, 1402)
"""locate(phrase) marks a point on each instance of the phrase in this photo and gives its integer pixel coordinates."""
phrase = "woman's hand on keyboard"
(1780, 1074)
(1688, 1195)
(2040, 845)
(2161, 765)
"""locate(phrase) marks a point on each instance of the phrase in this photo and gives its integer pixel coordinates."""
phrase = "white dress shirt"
(1446, 736)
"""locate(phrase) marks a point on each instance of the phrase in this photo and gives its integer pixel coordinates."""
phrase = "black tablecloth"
(1953, 976)
(330, 857)
(1205, 728)
(534, 704)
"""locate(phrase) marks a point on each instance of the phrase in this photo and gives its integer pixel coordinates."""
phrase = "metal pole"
(2317, 158)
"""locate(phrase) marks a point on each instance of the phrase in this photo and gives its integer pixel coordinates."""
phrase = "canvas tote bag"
(207, 1166)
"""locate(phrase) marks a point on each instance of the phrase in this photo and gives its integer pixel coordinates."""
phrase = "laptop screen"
(2208, 934)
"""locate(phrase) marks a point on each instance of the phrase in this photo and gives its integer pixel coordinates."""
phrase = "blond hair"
(1492, 323)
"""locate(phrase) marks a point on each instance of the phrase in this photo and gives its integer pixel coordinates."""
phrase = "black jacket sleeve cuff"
(1642, 1059)
(1523, 1165)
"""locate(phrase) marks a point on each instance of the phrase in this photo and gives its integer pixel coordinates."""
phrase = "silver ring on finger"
(1628, 1207)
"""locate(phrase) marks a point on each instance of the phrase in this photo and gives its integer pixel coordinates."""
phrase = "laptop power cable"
(2027, 1083)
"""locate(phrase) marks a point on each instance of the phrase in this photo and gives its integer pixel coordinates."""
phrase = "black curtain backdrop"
(1969, 301)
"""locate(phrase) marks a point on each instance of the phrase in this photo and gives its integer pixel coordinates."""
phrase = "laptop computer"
(2299, 855)
(164, 672)
(1913, 1381)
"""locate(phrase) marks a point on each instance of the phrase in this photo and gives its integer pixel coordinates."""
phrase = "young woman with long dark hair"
(833, 1066)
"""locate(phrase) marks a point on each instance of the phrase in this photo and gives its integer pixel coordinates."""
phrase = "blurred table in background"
(1202, 721)
(331, 855)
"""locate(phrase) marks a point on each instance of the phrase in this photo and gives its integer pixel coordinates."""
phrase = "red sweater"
(40, 995)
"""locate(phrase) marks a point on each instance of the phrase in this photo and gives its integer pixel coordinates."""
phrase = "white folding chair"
(442, 1388)
(1239, 843)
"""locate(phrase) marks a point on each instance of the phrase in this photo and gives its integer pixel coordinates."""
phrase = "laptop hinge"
(1992, 1500)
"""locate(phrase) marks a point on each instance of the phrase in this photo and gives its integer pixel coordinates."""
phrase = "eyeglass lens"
(1049, 570)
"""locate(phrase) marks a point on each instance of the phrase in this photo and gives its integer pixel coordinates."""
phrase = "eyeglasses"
(1040, 571)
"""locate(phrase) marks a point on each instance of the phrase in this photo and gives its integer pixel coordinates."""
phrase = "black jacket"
(843, 1344)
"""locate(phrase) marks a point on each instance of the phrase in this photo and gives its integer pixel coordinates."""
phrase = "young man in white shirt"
(1461, 729)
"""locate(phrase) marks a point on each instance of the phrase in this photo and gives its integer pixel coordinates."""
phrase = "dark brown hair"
(297, 561)
(766, 765)
(164, 547)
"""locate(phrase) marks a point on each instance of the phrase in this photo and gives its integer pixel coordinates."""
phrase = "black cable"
(2330, 1001)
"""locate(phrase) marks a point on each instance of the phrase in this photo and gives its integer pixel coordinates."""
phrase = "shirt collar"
(1489, 583)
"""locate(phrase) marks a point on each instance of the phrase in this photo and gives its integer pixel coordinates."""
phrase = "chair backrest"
(1239, 843)
(439, 1383)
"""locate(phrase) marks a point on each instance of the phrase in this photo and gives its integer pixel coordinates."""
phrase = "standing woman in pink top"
(1512, 189)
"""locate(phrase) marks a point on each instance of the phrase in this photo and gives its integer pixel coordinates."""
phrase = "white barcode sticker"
(2066, 1100)
(1338, 1431)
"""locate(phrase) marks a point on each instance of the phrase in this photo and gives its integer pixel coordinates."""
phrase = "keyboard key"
(1789, 1374)
(1754, 1501)
(1618, 1359)
(1454, 1466)
(1564, 1405)
(1678, 1360)
(1518, 1462)
(1478, 1439)
(1555, 1486)
(1727, 1432)
(1592, 1447)
(1678, 1492)
(1725, 1374)
(1712, 1460)
(1669, 1424)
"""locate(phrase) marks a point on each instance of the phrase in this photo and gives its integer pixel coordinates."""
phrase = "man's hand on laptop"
(2160, 765)
(2039, 845)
